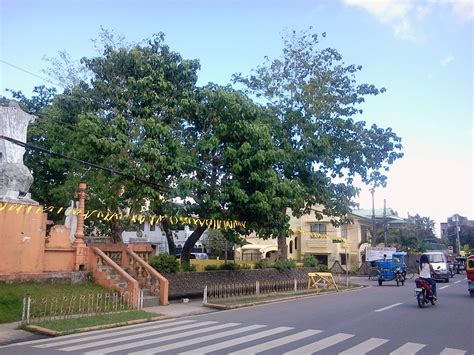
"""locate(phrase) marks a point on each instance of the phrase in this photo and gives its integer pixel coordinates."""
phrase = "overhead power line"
(30, 73)
(91, 165)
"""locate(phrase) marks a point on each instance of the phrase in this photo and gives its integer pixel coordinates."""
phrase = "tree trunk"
(169, 237)
(116, 232)
(282, 249)
(189, 244)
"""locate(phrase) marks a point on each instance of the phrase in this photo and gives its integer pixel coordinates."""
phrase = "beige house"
(318, 238)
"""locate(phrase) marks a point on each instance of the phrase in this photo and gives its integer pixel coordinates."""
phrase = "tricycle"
(470, 274)
(392, 269)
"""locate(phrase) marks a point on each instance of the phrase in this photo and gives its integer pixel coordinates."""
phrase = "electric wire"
(83, 162)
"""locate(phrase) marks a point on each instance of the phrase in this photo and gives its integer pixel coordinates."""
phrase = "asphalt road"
(376, 320)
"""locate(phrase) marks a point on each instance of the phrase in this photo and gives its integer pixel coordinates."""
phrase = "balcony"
(318, 245)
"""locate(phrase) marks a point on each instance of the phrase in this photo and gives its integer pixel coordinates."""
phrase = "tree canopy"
(225, 155)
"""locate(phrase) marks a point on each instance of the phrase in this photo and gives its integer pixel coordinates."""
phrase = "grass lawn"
(72, 324)
(11, 295)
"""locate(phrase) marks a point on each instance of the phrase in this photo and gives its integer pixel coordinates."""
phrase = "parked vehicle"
(470, 274)
(440, 263)
(392, 269)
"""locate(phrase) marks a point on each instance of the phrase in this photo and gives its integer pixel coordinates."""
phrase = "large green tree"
(315, 97)
(127, 119)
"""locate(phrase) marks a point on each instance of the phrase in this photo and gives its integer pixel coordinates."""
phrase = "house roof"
(390, 215)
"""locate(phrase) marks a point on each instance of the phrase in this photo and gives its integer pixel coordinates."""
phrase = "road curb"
(54, 333)
(250, 304)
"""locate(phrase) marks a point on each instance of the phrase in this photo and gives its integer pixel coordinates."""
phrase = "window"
(344, 231)
(343, 259)
(318, 228)
(291, 247)
(296, 243)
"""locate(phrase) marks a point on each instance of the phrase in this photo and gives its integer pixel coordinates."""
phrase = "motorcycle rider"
(426, 269)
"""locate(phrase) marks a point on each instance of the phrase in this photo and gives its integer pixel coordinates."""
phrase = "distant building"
(154, 235)
(327, 249)
(448, 229)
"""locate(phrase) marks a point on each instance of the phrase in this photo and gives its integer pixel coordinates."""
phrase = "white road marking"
(277, 342)
(456, 282)
(408, 349)
(110, 330)
(159, 339)
(127, 331)
(365, 347)
(320, 344)
(193, 341)
(135, 337)
(236, 341)
(388, 307)
(451, 351)
(442, 288)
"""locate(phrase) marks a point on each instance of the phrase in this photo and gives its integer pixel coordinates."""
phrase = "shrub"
(164, 263)
(310, 261)
(263, 264)
(321, 268)
(211, 267)
(245, 266)
(282, 265)
(186, 267)
(229, 266)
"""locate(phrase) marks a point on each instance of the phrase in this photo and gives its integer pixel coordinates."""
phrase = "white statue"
(15, 178)
(71, 220)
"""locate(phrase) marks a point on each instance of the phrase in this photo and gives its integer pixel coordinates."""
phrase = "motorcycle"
(423, 293)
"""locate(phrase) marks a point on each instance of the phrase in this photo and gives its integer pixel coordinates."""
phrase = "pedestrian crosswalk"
(191, 336)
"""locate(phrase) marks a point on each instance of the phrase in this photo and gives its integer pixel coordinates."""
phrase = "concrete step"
(146, 292)
(150, 301)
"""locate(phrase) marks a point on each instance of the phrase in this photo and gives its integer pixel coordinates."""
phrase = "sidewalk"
(9, 333)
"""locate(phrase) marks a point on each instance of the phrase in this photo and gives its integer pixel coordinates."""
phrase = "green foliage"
(11, 295)
(415, 235)
(229, 266)
(310, 261)
(215, 243)
(263, 264)
(71, 325)
(245, 266)
(211, 267)
(164, 263)
(282, 265)
(315, 98)
(142, 113)
(187, 267)
(321, 268)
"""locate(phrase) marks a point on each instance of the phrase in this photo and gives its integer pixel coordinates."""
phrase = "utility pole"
(385, 222)
(372, 191)
(458, 243)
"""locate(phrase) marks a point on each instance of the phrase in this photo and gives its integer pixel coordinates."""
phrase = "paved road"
(379, 320)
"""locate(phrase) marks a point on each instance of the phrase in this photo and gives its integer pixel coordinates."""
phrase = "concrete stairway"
(149, 300)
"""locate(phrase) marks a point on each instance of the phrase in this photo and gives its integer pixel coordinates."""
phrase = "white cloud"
(463, 9)
(405, 16)
(446, 59)
(394, 13)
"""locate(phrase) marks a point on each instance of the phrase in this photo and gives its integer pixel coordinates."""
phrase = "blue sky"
(421, 51)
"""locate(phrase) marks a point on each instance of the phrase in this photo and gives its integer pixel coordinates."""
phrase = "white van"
(439, 259)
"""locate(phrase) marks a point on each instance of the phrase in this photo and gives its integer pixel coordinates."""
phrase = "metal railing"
(77, 306)
(257, 288)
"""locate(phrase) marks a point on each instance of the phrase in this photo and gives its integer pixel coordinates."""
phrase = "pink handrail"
(164, 283)
(132, 283)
